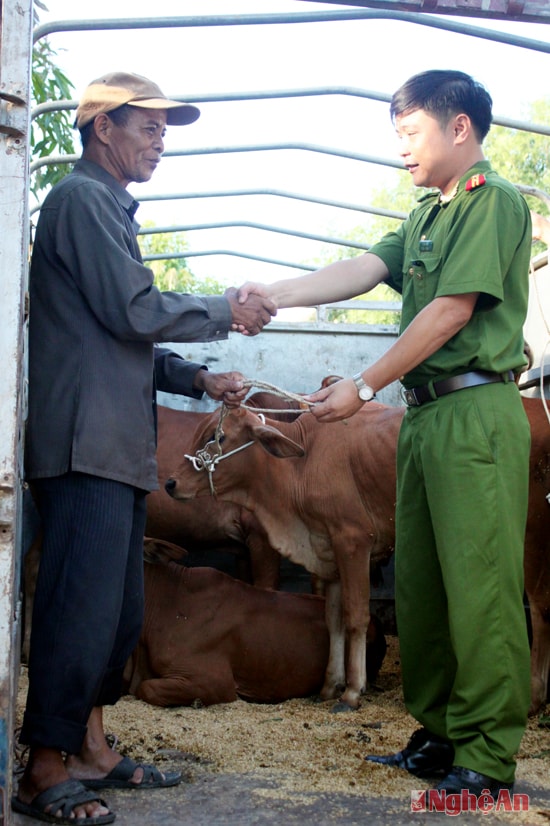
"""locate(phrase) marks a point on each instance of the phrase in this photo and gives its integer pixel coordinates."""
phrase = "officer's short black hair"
(442, 94)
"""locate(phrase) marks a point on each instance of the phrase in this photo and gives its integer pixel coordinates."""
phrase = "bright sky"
(367, 54)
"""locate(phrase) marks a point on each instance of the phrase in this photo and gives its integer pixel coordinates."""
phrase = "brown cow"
(212, 638)
(213, 524)
(297, 510)
(329, 507)
(210, 524)
(537, 550)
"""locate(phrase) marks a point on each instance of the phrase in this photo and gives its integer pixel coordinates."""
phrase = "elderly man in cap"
(95, 320)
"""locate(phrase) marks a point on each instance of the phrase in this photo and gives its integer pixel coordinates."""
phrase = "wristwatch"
(365, 393)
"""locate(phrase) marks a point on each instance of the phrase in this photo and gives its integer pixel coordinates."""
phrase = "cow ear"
(275, 443)
(156, 551)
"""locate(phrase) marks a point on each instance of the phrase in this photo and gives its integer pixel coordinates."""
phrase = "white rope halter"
(204, 460)
(276, 391)
(209, 457)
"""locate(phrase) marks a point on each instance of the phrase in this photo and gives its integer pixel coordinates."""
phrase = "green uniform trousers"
(463, 467)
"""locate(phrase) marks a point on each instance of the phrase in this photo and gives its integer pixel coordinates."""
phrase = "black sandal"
(121, 777)
(62, 797)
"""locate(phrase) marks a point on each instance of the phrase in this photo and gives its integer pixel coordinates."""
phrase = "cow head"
(224, 453)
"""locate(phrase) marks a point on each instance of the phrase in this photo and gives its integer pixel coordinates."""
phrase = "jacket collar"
(98, 173)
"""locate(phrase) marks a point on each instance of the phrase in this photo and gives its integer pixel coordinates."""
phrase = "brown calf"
(212, 638)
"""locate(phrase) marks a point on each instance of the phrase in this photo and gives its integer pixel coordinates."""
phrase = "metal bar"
(362, 304)
(269, 19)
(498, 120)
(199, 253)
(343, 242)
(224, 150)
(282, 193)
(181, 196)
(51, 160)
(229, 97)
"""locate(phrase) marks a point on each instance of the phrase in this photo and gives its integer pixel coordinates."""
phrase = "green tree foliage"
(523, 157)
(51, 132)
(173, 273)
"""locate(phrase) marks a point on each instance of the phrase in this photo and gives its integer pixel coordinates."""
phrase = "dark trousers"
(88, 607)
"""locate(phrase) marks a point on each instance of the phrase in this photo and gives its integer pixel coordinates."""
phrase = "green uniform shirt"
(480, 241)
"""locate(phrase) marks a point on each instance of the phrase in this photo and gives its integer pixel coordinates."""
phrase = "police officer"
(461, 262)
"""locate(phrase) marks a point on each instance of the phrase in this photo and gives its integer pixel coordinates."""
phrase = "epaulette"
(474, 182)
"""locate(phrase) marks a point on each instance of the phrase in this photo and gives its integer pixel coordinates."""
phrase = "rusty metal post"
(15, 84)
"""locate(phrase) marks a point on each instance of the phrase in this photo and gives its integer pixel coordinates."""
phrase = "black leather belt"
(420, 395)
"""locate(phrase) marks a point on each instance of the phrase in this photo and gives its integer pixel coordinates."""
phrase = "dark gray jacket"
(94, 319)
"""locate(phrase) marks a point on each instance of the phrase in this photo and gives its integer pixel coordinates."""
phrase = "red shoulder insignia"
(474, 182)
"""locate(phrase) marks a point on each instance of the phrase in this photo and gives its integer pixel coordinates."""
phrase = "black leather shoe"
(425, 755)
(460, 779)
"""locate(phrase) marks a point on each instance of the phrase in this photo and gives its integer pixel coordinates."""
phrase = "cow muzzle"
(172, 489)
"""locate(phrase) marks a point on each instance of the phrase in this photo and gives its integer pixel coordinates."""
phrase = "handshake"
(251, 309)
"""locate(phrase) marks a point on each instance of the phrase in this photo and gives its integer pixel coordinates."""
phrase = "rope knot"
(277, 391)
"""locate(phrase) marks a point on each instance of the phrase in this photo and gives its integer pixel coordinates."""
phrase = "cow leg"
(184, 691)
(356, 616)
(356, 670)
(335, 676)
(540, 657)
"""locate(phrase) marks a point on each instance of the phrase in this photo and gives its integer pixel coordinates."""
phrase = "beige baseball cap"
(117, 88)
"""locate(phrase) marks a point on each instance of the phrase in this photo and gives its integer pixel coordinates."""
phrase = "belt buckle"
(409, 397)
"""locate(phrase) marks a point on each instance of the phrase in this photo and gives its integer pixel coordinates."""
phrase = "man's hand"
(335, 402)
(251, 315)
(252, 288)
(222, 387)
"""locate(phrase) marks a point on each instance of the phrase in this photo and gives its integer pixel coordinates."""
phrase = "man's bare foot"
(46, 769)
(95, 759)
